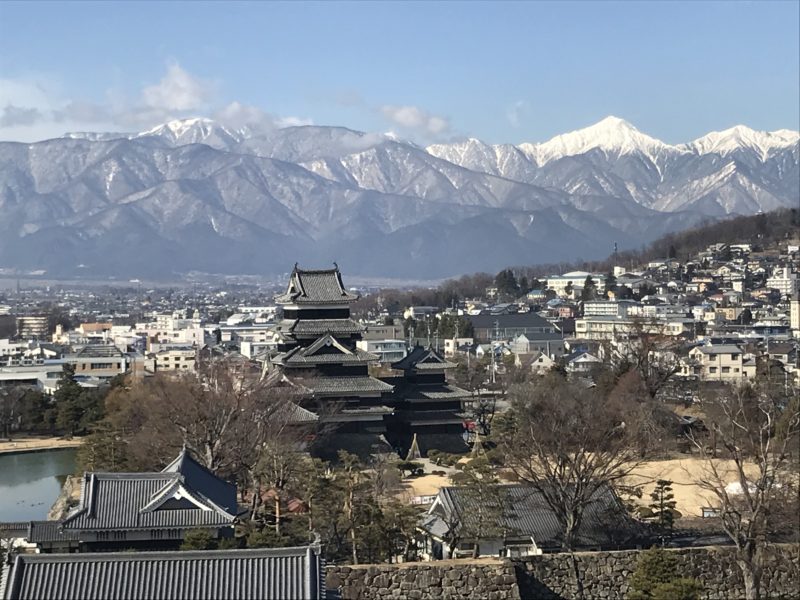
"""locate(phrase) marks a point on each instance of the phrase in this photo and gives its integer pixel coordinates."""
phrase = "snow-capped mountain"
(197, 194)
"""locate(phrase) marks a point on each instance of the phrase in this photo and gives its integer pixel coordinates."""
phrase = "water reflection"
(30, 482)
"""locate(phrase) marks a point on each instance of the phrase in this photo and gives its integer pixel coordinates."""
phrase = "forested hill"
(765, 231)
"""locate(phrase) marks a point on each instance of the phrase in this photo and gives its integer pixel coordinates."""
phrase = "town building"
(32, 327)
(488, 327)
(102, 361)
(722, 362)
(387, 351)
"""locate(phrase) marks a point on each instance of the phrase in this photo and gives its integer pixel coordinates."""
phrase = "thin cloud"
(178, 91)
(515, 112)
(13, 116)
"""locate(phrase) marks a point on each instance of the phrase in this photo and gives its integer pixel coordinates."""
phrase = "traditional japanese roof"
(527, 515)
(316, 287)
(184, 495)
(275, 573)
(197, 477)
(429, 417)
(436, 393)
(49, 531)
(317, 327)
(344, 385)
(326, 350)
(420, 358)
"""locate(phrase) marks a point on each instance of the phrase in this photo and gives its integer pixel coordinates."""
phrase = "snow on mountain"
(740, 137)
(211, 197)
(612, 135)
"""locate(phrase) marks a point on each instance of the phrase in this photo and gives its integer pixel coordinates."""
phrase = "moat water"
(30, 482)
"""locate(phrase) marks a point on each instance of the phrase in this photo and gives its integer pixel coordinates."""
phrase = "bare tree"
(757, 430)
(570, 444)
(647, 348)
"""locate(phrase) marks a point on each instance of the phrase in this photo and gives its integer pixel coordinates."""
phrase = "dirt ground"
(690, 498)
(23, 443)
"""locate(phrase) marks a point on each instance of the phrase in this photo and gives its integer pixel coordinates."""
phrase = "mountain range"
(197, 195)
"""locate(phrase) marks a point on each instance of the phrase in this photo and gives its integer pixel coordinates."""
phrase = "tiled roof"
(146, 500)
(315, 287)
(422, 358)
(434, 393)
(316, 327)
(200, 479)
(527, 514)
(279, 573)
(49, 531)
(721, 349)
(344, 385)
(326, 350)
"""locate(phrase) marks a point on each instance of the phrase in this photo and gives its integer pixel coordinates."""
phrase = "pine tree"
(657, 577)
(589, 291)
(663, 505)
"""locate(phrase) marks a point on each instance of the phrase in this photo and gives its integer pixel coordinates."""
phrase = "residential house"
(722, 362)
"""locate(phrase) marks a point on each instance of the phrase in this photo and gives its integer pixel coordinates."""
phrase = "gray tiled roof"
(345, 385)
(49, 531)
(316, 327)
(527, 514)
(433, 393)
(280, 573)
(132, 500)
(200, 479)
(315, 287)
(326, 350)
(422, 358)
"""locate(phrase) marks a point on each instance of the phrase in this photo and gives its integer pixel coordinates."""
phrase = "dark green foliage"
(506, 284)
(663, 505)
(198, 539)
(657, 576)
(409, 466)
(77, 408)
(589, 291)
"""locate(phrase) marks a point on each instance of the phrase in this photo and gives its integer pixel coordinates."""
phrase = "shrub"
(198, 539)
(657, 578)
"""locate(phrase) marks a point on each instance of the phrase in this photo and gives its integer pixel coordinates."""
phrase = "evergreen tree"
(589, 291)
(506, 283)
(657, 577)
(610, 283)
(198, 539)
(663, 505)
(68, 401)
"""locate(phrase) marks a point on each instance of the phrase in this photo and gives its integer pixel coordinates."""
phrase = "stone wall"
(603, 575)
(484, 579)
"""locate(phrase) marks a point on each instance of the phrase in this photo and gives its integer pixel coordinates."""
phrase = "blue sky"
(503, 72)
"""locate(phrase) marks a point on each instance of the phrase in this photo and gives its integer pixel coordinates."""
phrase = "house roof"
(527, 320)
(423, 359)
(326, 350)
(344, 385)
(527, 514)
(197, 477)
(184, 495)
(99, 351)
(316, 327)
(275, 573)
(720, 349)
(315, 287)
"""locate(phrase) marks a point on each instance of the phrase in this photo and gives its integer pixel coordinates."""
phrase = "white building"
(389, 350)
(723, 362)
(559, 283)
(783, 280)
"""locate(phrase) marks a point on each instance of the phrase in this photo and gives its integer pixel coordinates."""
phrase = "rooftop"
(316, 287)
(279, 573)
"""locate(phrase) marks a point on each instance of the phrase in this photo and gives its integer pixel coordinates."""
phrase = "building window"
(712, 370)
(726, 369)
(734, 357)
(102, 365)
(712, 357)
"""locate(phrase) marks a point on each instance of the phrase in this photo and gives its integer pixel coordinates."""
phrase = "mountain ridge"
(199, 195)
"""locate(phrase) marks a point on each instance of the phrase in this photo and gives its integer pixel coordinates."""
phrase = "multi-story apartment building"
(608, 328)
(723, 362)
(179, 358)
(783, 280)
(388, 350)
(33, 326)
